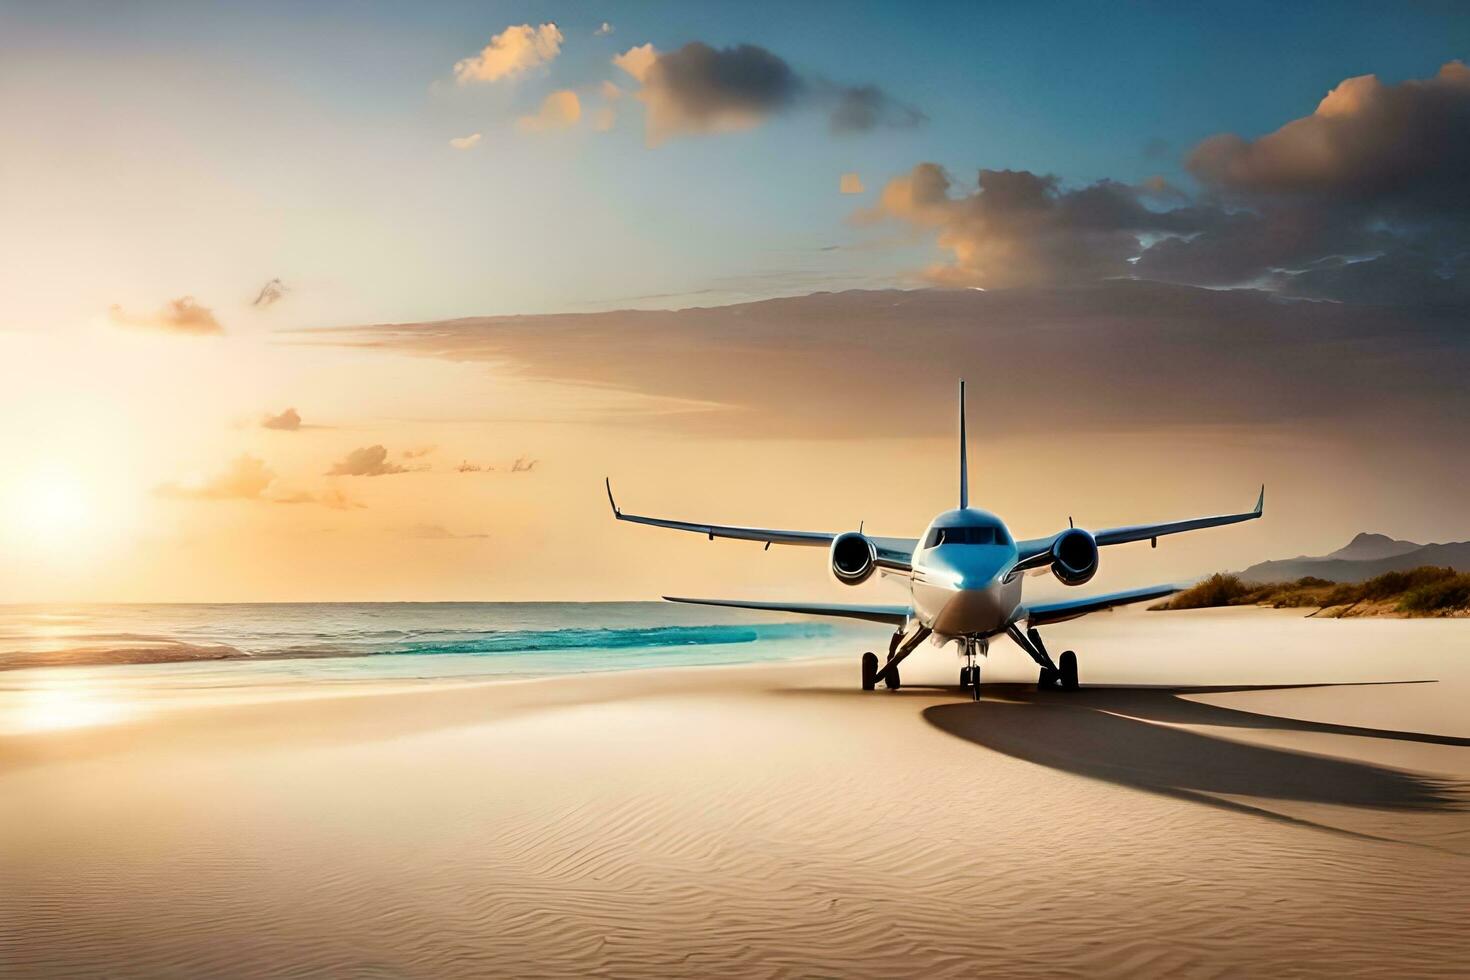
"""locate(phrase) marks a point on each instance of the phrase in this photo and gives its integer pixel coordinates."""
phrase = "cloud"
(418, 453)
(603, 30)
(850, 184)
(467, 467)
(523, 465)
(1394, 150)
(1019, 228)
(1108, 357)
(559, 110)
(1364, 201)
(182, 315)
(465, 142)
(366, 461)
(511, 53)
(269, 294)
(287, 421)
(245, 479)
(438, 532)
(863, 107)
(702, 89)
(331, 497)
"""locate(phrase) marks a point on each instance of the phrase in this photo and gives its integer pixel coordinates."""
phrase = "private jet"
(964, 577)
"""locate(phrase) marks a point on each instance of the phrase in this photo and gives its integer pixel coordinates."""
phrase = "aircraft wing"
(892, 552)
(1036, 547)
(1044, 613)
(895, 615)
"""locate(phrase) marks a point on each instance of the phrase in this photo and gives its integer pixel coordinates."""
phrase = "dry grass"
(1423, 591)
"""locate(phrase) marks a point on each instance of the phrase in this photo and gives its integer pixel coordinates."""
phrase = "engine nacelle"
(854, 556)
(1074, 557)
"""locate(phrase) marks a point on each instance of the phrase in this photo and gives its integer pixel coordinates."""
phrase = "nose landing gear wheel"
(1067, 671)
(975, 683)
(964, 677)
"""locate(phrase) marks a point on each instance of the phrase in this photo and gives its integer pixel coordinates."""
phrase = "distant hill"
(1370, 547)
(1362, 558)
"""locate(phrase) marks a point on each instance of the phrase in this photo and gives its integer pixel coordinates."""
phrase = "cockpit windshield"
(980, 534)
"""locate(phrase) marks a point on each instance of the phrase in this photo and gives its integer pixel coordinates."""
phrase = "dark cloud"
(1395, 151)
(287, 421)
(269, 294)
(1021, 228)
(702, 89)
(864, 107)
(1365, 200)
(1120, 355)
(182, 315)
(366, 461)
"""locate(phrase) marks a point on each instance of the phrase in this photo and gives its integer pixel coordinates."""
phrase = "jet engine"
(1074, 557)
(854, 557)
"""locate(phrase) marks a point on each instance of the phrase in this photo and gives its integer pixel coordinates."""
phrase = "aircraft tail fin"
(964, 459)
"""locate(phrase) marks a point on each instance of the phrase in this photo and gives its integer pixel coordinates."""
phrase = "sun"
(48, 506)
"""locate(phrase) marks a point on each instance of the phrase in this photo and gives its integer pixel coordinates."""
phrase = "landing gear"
(902, 644)
(1064, 677)
(970, 672)
(1067, 671)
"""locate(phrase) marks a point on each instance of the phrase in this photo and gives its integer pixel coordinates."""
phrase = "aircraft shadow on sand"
(1123, 736)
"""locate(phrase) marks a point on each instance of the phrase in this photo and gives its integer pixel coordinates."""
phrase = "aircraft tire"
(870, 670)
(964, 678)
(890, 677)
(1048, 679)
(975, 684)
(1067, 671)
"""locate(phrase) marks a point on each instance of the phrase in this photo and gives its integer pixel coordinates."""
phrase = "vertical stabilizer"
(964, 459)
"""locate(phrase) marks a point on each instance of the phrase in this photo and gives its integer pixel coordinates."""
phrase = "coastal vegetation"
(1423, 591)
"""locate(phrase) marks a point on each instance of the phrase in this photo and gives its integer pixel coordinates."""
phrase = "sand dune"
(772, 821)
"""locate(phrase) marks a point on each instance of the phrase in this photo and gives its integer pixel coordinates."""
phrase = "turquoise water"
(393, 640)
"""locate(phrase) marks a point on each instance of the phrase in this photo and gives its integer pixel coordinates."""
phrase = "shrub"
(1443, 594)
(1390, 584)
(1220, 589)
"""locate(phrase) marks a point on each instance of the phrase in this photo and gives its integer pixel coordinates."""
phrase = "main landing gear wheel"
(890, 676)
(975, 683)
(1047, 681)
(1067, 671)
(870, 670)
(964, 677)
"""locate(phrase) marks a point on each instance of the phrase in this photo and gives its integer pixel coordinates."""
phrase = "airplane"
(964, 576)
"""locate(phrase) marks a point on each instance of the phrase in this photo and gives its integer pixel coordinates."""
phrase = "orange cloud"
(182, 315)
(559, 110)
(245, 479)
(511, 53)
(366, 461)
(850, 184)
(287, 421)
(465, 142)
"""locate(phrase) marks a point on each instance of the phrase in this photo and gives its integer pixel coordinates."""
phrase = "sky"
(1219, 245)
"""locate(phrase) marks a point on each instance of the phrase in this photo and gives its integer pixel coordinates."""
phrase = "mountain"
(1362, 558)
(1370, 547)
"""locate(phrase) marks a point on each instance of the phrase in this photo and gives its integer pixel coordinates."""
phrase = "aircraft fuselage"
(962, 582)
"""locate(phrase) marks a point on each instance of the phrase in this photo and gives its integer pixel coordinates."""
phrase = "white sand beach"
(773, 820)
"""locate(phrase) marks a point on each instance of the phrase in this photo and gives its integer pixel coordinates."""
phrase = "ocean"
(346, 641)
